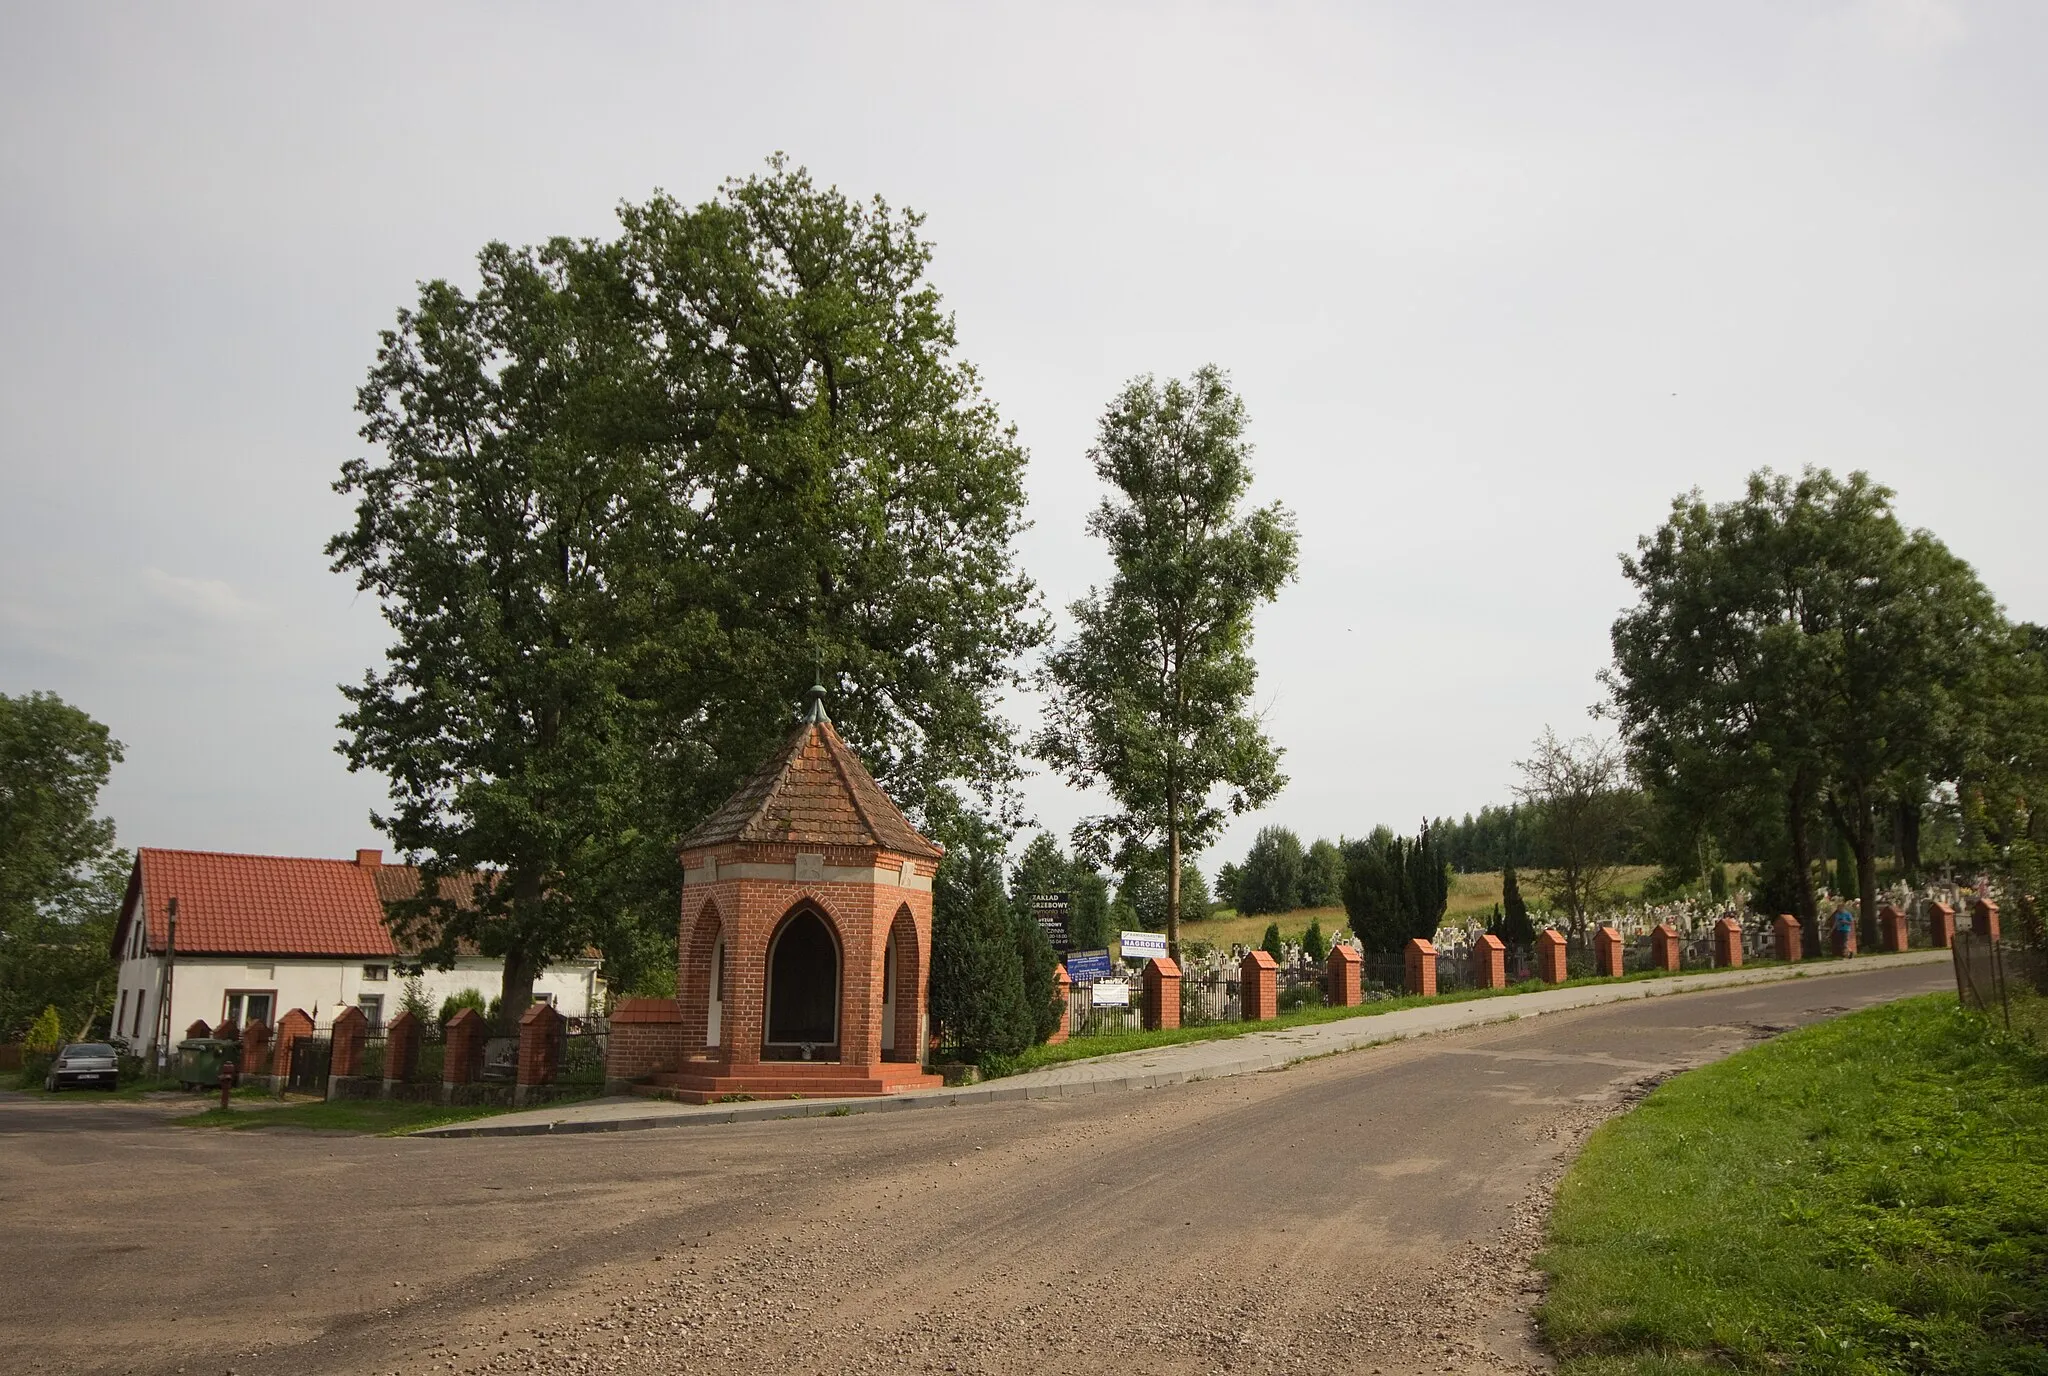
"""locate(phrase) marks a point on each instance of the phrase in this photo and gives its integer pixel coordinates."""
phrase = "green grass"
(1866, 1195)
(1110, 1043)
(383, 1117)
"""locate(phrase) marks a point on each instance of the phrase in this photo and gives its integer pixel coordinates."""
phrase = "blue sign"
(1085, 967)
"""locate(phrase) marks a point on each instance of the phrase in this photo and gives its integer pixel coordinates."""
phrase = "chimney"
(369, 859)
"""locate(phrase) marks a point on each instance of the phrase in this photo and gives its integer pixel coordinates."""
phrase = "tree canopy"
(625, 500)
(1799, 651)
(1396, 888)
(61, 878)
(1150, 697)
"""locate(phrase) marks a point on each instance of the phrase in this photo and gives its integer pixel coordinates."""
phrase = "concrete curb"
(1152, 1069)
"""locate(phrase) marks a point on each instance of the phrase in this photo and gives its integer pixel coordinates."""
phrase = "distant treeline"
(1496, 837)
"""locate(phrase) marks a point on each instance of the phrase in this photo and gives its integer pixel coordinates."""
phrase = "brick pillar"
(540, 1049)
(1984, 919)
(1063, 985)
(1786, 937)
(199, 1029)
(1162, 994)
(401, 1051)
(1891, 929)
(1727, 941)
(462, 1060)
(1664, 946)
(1419, 976)
(292, 1027)
(1941, 926)
(255, 1050)
(1550, 967)
(1607, 952)
(1490, 963)
(1258, 987)
(645, 1038)
(1341, 977)
(351, 1030)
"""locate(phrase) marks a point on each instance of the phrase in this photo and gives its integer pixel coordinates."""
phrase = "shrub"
(1300, 996)
(455, 1003)
(1271, 945)
(46, 1033)
(1312, 943)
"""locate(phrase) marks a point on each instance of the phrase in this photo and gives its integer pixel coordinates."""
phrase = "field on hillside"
(1472, 896)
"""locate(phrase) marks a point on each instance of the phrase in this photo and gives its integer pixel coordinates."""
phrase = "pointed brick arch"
(693, 982)
(906, 972)
(804, 986)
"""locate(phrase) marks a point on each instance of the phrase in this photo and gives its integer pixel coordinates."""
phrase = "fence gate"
(308, 1071)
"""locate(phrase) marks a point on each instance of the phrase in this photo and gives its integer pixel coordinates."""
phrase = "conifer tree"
(1271, 945)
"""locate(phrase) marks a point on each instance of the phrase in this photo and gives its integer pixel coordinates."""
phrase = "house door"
(803, 992)
(715, 1022)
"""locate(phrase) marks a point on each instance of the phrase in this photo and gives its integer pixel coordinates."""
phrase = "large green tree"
(1150, 697)
(627, 497)
(61, 879)
(1270, 879)
(1798, 644)
(1396, 888)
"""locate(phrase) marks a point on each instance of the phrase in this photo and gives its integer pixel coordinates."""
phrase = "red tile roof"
(268, 905)
(813, 791)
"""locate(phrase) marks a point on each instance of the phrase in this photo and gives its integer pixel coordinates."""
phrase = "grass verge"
(1866, 1195)
(1110, 1043)
(378, 1117)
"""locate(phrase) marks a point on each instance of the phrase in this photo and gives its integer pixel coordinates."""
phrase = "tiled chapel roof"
(813, 791)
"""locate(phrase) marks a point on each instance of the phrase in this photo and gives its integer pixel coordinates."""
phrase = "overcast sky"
(1495, 280)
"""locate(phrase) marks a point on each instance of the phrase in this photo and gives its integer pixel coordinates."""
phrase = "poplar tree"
(1150, 698)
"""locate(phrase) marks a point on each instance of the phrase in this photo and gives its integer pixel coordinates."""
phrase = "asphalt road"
(1369, 1212)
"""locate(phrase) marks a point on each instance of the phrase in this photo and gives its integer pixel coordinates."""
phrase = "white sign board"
(1143, 945)
(1111, 993)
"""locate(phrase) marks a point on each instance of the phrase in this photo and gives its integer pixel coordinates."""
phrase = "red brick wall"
(1607, 952)
(862, 915)
(1490, 963)
(1727, 942)
(1664, 946)
(1550, 962)
(255, 1049)
(1063, 986)
(1258, 987)
(1787, 939)
(1941, 925)
(351, 1030)
(1984, 919)
(1341, 977)
(540, 1044)
(1419, 973)
(290, 1028)
(462, 1060)
(402, 1047)
(646, 1036)
(1162, 994)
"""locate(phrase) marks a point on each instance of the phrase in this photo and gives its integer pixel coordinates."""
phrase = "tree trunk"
(515, 992)
(1909, 839)
(1865, 844)
(1173, 889)
(1802, 866)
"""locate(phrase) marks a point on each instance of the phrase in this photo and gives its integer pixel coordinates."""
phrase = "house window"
(372, 1006)
(377, 973)
(121, 1020)
(243, 1004)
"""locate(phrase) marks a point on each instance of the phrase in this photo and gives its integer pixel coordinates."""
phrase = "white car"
(84, 1063)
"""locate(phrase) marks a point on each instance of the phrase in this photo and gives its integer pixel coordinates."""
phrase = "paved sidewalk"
(1164, 1065)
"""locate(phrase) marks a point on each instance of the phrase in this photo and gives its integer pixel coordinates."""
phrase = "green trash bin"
(200, 1059)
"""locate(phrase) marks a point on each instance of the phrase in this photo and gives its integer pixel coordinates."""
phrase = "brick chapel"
(804, 951)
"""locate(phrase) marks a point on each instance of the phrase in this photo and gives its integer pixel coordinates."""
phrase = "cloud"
(204, 599)
(1912, 26)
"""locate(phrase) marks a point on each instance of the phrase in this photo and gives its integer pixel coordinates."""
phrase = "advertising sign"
(1143, 945)
(1051, 911)
(1086, 967)
(1111, 993)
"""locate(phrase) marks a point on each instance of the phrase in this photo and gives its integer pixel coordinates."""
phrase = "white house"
(259, 935)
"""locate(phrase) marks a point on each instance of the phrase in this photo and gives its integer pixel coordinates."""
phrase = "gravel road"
(1371, 1212)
